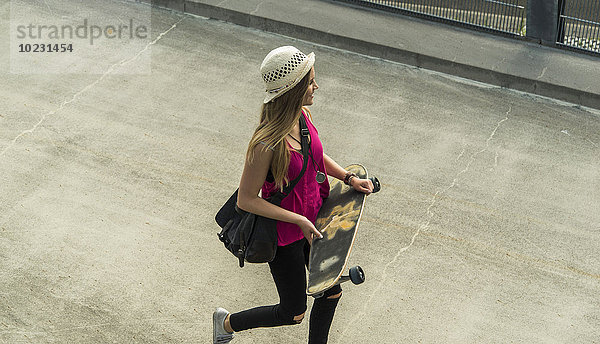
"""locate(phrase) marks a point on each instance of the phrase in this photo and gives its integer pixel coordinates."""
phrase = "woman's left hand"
(362, 185)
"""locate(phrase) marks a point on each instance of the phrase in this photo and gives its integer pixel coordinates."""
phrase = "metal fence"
(577, 22)
(507, 16)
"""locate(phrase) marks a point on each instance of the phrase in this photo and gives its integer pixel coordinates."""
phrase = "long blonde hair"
(278, 118)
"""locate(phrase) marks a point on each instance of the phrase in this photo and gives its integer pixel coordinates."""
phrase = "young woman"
(273, 159)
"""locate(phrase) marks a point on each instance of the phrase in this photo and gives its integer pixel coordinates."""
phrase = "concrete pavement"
(512, 63)
(486, 229)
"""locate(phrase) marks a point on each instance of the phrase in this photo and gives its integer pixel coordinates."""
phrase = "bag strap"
(304, 135)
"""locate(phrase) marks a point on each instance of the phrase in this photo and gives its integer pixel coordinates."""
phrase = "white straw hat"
(283, 68)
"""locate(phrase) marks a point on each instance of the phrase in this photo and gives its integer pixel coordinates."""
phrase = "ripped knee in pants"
(336, 296)
(298, 318)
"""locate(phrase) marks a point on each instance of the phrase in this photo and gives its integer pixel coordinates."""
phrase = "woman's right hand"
(309, 230)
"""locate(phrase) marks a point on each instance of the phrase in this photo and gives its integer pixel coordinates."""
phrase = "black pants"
(289, 273)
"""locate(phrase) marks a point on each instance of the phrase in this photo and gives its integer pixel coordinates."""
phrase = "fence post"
(542, 20)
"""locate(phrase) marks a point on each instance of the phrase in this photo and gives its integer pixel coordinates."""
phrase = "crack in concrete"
(88, 87)
(257, 7)
(422, 227)
(461, 154)
(542, 74)
(496, 159)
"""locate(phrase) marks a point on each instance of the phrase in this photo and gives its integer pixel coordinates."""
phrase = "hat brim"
(310, 61)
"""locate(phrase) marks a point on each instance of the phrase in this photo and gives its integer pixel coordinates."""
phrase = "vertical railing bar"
(586, 28)
(445, 8)
(480, 12)
(490, 11)
(513, 15)
(576, 26)
(581, 26)
(592, 27)
(595, 40)
(507, 19)
(590, 31)
(567, 29)
(473, 14)
(455, 12)
(511, 20)
(570, 31)
(503, 17)
(523, 17)
(496, 15)
(468, 11)
(465, 13)
(518, 19)
(595, 33)
(521, 13)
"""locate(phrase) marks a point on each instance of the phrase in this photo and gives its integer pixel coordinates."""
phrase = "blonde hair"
(278, 118)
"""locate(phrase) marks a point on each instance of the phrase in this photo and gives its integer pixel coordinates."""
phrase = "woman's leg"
(322, 312)
(321, 315)
(289, 274)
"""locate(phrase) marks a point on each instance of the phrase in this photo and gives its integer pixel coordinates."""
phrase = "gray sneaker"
(220, 336)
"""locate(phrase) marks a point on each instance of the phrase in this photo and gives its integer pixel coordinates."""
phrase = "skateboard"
(338, 221)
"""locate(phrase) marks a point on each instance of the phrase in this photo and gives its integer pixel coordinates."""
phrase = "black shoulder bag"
(252, 237)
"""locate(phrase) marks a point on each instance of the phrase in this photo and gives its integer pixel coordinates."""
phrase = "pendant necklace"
(320, 177)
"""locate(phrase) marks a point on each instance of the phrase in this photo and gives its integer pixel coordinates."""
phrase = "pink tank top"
(307, 196)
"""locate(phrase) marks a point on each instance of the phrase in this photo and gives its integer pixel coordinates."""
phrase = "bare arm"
(332, 168)
(253, 177)
(337, 171)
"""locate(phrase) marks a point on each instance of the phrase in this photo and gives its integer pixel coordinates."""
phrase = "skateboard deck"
(338, 221)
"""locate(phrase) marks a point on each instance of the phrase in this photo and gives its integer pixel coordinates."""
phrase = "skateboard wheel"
(376, 184)
(357, 275)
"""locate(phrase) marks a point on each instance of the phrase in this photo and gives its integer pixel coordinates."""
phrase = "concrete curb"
(416, 59)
